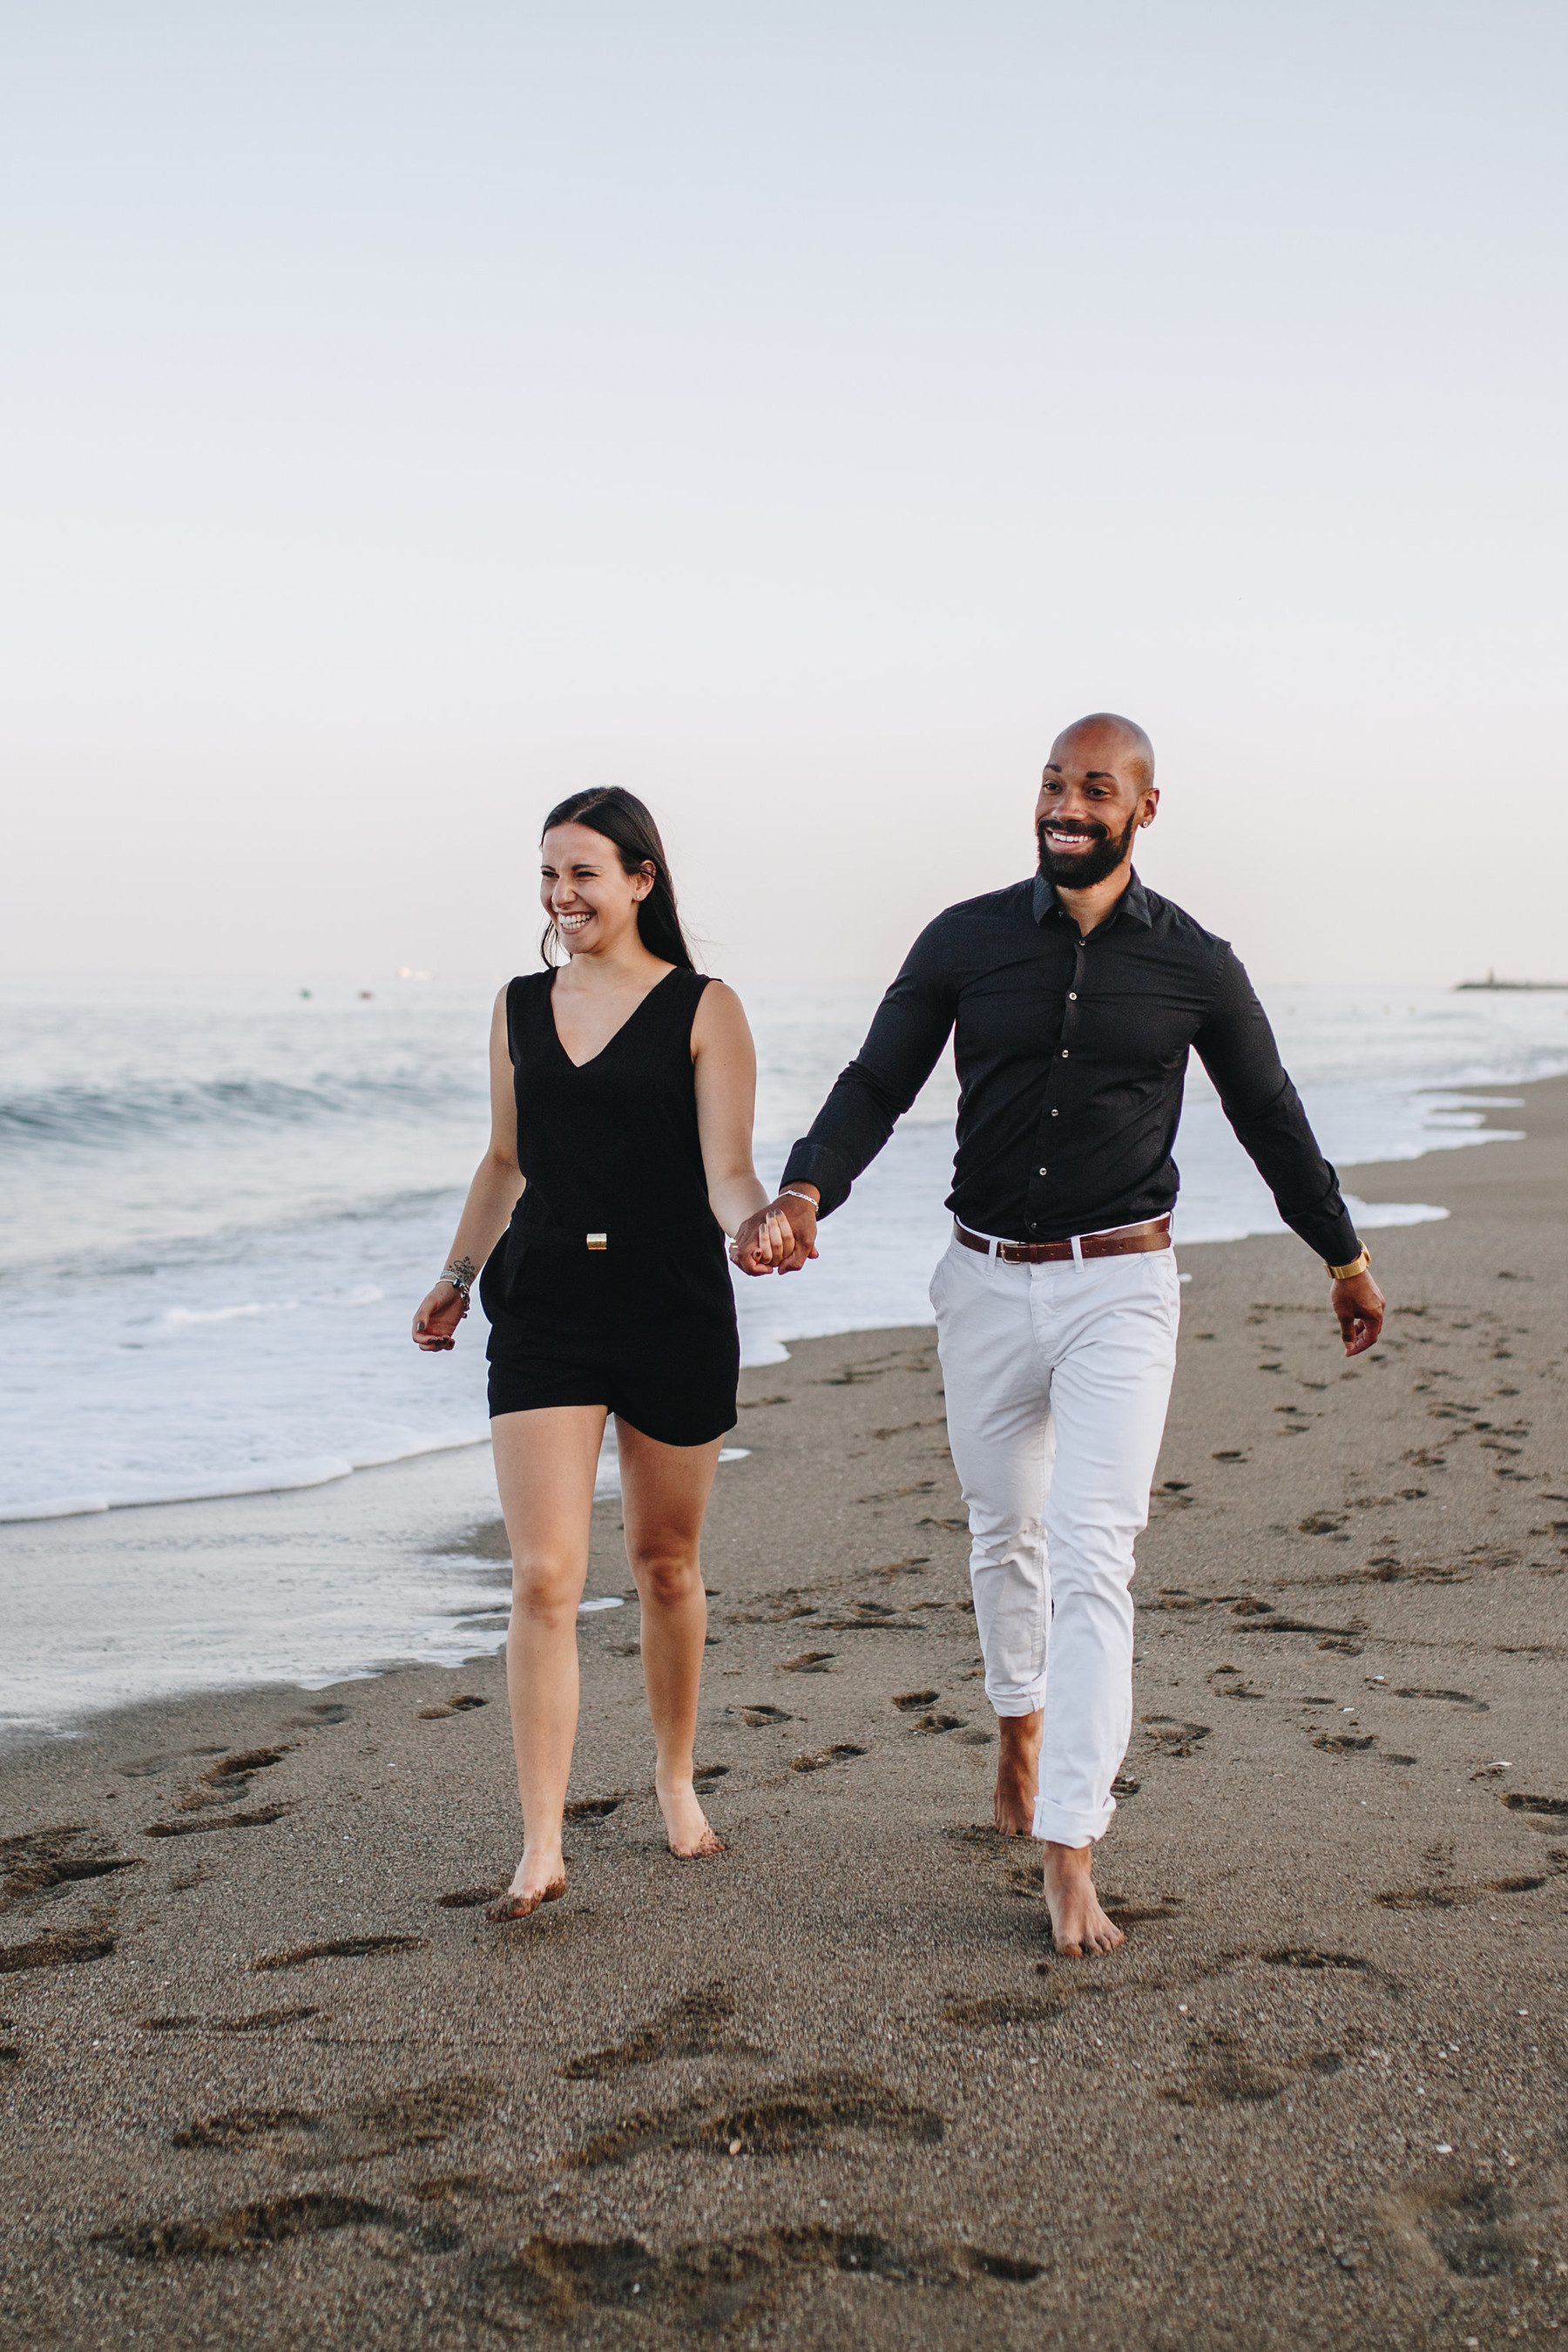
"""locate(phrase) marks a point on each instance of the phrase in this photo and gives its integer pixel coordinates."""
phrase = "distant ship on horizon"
(1513, 986)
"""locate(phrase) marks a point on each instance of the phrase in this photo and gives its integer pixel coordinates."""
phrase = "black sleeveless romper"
(611, 1286)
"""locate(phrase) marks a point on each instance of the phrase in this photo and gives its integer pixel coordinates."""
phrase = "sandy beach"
(272, 2080)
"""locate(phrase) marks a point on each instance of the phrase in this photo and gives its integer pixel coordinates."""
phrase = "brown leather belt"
(1127, 1241)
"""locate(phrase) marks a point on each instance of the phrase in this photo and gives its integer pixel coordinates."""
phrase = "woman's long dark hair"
(624, 821)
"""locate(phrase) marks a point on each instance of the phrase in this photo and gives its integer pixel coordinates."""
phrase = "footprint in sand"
(338, 1948)
(1449, 1897)
(1452, 1697)
(696, 2290)
(694, 2026)
(1230, 2075)
(1172, 1737)
(260, 2021)
(60, 1948)
(1544, 1809)
(841, 1752)
(1013, 2008)
(420, 2116)
(39, 1859)
(268, 2221)
(788, 2120)
(258, 1820)
(1307, 1956)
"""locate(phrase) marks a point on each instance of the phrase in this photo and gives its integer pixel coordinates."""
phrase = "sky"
(409, 414)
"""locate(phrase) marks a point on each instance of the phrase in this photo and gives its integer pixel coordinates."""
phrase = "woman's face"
(585, 891)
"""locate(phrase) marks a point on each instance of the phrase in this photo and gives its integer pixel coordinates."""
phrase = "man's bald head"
(1106, 740)
(1097, 792)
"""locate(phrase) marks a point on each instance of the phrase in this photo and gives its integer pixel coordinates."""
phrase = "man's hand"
(1361, 1308)
(778, 1239)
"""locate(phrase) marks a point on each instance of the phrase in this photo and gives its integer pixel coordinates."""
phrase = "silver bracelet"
(787, 1192)
(461, 1278)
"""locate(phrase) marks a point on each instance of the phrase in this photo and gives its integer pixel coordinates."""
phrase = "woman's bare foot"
(1018, 1772)
(1078, 1923)
(686, 1824)
(535, 1881)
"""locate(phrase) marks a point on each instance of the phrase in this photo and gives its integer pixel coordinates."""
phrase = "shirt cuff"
(813, 1163)
(1343, 1246)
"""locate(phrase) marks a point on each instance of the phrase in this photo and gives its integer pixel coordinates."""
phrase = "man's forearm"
(847, 1134)
(1282, 1148)
(912, 1025)
(1236, 1047)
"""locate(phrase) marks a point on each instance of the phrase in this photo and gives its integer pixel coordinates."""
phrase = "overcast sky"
(411, 414)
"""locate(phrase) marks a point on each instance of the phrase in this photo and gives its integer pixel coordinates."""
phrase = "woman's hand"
(764, 1242)
(436, 1324)
(776, 1240)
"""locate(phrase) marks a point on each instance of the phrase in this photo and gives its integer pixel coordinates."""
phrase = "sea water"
(223, 1200)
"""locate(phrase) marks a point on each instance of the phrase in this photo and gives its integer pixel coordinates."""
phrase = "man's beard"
(1081, 871)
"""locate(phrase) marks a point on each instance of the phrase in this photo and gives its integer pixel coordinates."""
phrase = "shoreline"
(287, 1448)
(253, 1528)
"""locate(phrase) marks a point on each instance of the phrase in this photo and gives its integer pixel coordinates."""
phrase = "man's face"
(1093, 800)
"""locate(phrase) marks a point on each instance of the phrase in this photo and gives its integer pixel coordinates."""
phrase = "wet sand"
(273, 2081)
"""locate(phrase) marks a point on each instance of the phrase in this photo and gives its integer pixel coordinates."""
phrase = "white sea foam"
(176, 1316)
(225, 1202)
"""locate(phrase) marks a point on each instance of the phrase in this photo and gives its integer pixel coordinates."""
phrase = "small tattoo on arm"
(466, 1268)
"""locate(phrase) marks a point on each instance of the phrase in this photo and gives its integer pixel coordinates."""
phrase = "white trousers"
(1057, 1378)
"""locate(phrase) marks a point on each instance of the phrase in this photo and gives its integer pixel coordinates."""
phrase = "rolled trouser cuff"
(1059, 1826)
(1014, 1702)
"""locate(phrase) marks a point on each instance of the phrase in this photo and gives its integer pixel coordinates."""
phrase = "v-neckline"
(610, 1039)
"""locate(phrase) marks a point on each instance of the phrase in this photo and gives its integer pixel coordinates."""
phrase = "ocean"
(223, 1200)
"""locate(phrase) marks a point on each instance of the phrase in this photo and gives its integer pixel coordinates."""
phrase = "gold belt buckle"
(598, 1241)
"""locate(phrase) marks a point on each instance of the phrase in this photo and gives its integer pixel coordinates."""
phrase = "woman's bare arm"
(725, 1063)
(492, 1196)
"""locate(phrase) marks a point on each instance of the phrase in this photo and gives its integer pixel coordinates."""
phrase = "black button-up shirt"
(1071, 1054)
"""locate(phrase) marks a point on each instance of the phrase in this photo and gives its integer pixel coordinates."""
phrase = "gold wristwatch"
(1357, 1266)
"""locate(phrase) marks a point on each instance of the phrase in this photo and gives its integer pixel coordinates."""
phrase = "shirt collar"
(1133, 902)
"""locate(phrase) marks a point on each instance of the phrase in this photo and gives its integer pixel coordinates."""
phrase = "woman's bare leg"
(544, 1469)
(665, 1490)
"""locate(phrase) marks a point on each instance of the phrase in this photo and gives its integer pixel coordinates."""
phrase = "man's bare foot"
(1078, 1923)
(1018, 1772)
(686, 1824)
(535, 1882)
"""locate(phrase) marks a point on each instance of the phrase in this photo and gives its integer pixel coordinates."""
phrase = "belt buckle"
(598, 1241)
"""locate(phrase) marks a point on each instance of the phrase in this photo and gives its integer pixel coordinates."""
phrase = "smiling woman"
(623, 1083)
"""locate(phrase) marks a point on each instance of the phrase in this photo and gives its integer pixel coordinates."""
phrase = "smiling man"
(1075, 996)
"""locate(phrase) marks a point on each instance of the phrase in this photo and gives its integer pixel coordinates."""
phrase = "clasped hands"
(778, 1239)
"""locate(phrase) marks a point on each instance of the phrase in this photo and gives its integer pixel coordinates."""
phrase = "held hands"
(436, 1323)
(778, 1239)
(1361, 1308)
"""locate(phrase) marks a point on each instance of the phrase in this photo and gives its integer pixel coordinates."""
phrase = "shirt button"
(1045, 1172)
(1072, 996)
(1064, 1052)
(1052, 1114)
